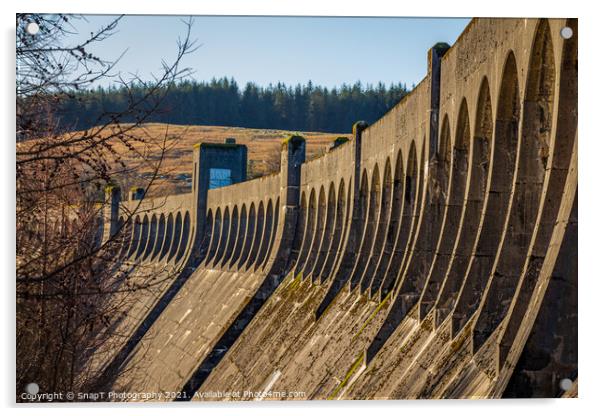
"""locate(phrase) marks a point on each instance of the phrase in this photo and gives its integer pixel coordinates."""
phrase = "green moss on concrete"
(441, 47)
(356, 364)
(339, 141)
(111, 187)
(293, 139)
(372, 315)
(359, 126)
(295, 282)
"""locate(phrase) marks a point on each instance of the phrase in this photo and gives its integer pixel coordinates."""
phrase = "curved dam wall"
(432, 256)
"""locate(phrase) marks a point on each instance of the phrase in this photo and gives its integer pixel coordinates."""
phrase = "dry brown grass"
(263, 151)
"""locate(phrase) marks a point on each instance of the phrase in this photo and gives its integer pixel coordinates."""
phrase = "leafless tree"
(73, 290)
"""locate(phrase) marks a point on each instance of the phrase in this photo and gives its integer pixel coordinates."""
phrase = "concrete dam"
(433, 255)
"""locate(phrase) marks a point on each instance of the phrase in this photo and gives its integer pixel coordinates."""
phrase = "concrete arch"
(366, 221)
(137, 227)
(215, 236)
(258, 237)
(126, 237)
(395, 216)
(353, 227)
(234, 224)
(223, 240)
(249, 236)
(428, 220)
(327, 235)
(533, 158)
(267, 235)
(384, 207)
(240, 237)
(453, 211)
(160, 237)
(168, 236)
(407, 224)
(414, 276)
(564, 142)
(444, 150)
(152, 237)
(397, 309)
(309, 233)
(338, 231)
(276, 213)
(206, 239)
(299, 234)
(318, 234)
(144, 234)
(185, 237)
(481, 149)
(177, 235)
(498, 198)
(119, 236)
(367, 241)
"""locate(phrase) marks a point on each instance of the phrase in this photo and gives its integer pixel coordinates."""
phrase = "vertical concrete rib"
(548, 349)
(267, 235)
(275, 222)
(308, 235)
(184, 241)
(259, 229)
(337, 233)
(533, 160)
(411, 209)
(160, 237)
(383, 224)
(233, 235)
(292, 157)
(395, 219)
(318, 234)
(300, 231)
(327, 238)
(439, 292)
(177, 236)
(152, 237)
(355, 225)
(421, 256)
(143, 238)
(374, 205)
(126, 238)
(135, 237)
(202, 247)
(168, 237)
(223, 241)
(559, 185)
(453, 210)
(240, 237)
(215, 236)
(498, 198)
(348, 264)
(250, 235)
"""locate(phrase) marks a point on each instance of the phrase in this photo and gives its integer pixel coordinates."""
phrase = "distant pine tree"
(221, 102)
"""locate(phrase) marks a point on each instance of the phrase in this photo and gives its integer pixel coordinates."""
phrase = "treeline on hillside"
(221, 102)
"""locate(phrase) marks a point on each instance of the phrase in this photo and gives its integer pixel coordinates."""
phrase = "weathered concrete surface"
(185, 332)
(291, 351)
(422, 259)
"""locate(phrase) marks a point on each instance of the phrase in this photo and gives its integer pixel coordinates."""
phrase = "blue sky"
(327, 51)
